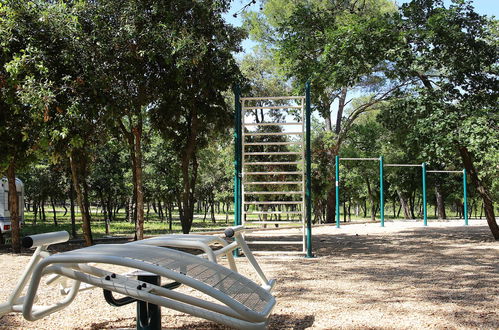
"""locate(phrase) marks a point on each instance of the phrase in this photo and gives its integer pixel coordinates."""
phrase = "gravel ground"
(445, 276)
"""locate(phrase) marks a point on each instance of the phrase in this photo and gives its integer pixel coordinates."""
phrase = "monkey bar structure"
(273, 165)
(424, 172)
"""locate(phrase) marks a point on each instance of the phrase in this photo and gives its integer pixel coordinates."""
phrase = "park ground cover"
(363, 276)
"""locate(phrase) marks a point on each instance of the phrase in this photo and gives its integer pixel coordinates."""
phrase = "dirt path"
(398, 277)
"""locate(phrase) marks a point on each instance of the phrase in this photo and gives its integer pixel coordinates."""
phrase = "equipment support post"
(465, 198)
(381, 197)
(337, 183)
(237, 159)
(308, 156)
(425, 217)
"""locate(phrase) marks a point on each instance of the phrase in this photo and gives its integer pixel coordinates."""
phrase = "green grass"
(153, 225)
(120, 227)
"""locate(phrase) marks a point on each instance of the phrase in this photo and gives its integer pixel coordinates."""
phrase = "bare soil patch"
(363, 276)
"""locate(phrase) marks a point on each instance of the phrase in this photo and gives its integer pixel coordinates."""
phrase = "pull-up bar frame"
(381, 189)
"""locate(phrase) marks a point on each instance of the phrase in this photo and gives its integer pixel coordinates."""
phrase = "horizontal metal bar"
(274, 182)
(274, 242)
(275, 202)
(253, 98)
(273, 107)
(271, 173)
(359, 158)
(272, 124)
(403, 165)
(272, 143)
(273, 212)
(272, 133)
(271, 192)
(435, 171)
(263, 153)
(273, 163)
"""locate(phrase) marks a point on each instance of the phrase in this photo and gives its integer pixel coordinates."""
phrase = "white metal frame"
(247, 176)
(149, 256)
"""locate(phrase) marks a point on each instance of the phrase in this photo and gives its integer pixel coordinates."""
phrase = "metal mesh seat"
(237, 287)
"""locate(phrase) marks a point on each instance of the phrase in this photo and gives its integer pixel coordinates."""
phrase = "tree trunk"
(14, 208)
(440, 202)
(65, 208)
(35, 212)
(341, 107)
(371, 199)
(482, 191)
(53, 211)
(189, 175)
(78, 171)
(137, 132)
(72, 209)
(213, 220)
(44, 216)
(331, 206)
(403, 204)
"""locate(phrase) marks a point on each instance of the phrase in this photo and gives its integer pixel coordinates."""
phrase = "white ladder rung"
(279, 253)
(273, 192)
(273, 212)
(271, 173)
(272, 143)
(254, 98)
(272, 133)
(275, 202)
(272, 124)
(274, 182)
(273, 163)
(299, 222)
(263, 153)
(273, 107)
(275, 242)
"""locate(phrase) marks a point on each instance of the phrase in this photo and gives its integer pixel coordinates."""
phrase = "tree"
(453, 106)
(19, 124)
(195, 109)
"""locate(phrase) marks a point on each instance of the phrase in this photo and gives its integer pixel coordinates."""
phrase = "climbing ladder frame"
(246, 179)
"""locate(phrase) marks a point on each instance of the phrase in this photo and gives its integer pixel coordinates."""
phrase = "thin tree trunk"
(189, 175)
(14, 208)
(72, 209)
(44, 216)
(78, 172)
(341, 107)
(403, 204)
(440, 202)
(53, 211)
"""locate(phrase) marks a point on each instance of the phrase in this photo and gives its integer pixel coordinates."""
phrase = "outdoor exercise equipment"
(240, 302)
(247, 180)
(424, 172)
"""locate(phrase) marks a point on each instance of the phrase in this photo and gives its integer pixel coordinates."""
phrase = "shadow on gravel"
(453, 268)
(277, 321)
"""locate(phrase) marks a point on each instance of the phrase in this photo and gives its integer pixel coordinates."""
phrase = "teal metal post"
(465, 198)
(381, 197)
(308, 156)
(425, 217)
(237, 157)
(237, 160)
(337, 183)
